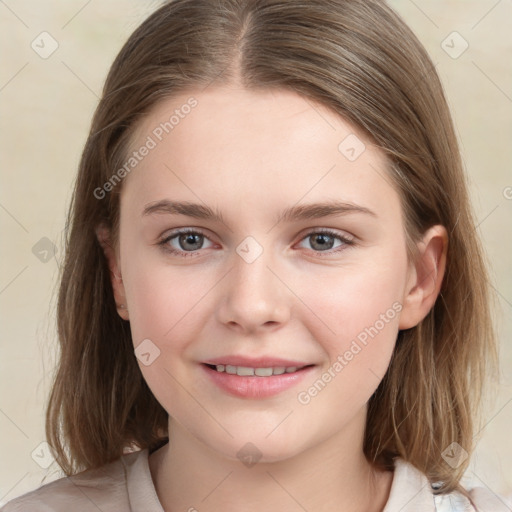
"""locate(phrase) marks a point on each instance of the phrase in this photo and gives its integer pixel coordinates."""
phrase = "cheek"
(162, 298)
(355, 318)
(349, 299)
(165, 305)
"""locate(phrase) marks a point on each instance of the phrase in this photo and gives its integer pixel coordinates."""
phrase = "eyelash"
(347, 242)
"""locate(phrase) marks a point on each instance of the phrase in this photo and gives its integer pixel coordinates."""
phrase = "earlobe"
(103, 235)
(426, 277)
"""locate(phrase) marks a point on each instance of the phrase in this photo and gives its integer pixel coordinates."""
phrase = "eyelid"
(335, 232)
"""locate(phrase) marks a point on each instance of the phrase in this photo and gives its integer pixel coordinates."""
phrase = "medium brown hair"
(359, 59)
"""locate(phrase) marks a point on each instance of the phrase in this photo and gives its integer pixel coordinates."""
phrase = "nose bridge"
(253, 295)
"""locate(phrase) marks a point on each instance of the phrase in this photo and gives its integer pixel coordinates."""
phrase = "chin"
(262, 449)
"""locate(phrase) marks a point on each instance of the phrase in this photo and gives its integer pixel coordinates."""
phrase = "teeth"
(244, 371)
(263, 372)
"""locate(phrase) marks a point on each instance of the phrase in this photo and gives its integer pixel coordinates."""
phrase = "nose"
(253, 296)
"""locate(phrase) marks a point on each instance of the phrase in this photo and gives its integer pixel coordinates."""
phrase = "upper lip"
(259, 362)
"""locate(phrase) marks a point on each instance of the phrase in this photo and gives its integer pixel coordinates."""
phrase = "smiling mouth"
(246, 371)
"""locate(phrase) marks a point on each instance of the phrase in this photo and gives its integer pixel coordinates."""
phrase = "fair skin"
(250, 155)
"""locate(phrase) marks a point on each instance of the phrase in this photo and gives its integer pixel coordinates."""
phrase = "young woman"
(274, 297)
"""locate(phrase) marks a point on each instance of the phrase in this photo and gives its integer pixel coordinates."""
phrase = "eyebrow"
(293, 213)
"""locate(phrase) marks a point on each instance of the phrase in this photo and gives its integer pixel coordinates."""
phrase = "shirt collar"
(410, 490)
(141, 490)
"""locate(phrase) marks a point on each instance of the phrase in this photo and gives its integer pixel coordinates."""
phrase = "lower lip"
(254, 386)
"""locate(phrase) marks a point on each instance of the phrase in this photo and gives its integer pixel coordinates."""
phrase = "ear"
(426, 277)
(104, 238)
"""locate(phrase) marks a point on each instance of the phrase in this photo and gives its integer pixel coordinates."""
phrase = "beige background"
(46, 107)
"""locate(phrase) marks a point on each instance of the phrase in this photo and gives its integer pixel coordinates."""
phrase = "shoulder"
(482, 500)
(412, 492)
(102, 488)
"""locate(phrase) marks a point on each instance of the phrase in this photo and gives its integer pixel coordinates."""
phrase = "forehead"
(235, 148)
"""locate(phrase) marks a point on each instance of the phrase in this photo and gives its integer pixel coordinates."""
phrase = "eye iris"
(192, 239)
(323, 240)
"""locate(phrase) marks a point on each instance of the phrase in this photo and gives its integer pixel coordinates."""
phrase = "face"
(256, 276)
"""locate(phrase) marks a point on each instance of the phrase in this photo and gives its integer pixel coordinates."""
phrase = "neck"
(331, 476)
